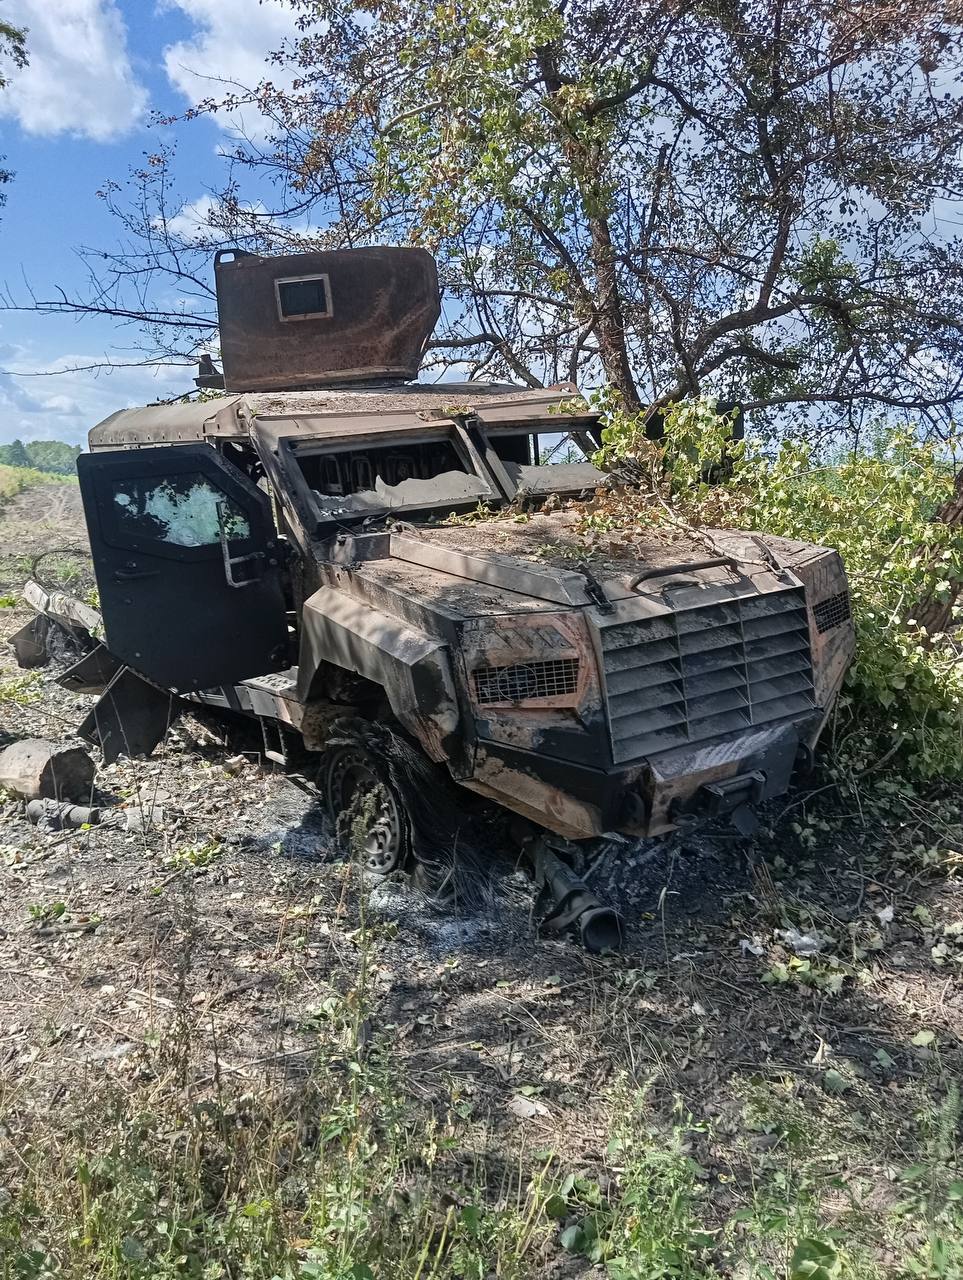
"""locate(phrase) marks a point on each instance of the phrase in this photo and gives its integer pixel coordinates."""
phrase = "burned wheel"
(368, 813)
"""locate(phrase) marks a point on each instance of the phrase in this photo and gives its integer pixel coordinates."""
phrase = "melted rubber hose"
(572, 905)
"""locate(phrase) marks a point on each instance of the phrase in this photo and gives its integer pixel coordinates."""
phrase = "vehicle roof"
(332, 412)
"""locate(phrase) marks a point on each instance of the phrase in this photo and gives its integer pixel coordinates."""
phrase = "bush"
(877, 507)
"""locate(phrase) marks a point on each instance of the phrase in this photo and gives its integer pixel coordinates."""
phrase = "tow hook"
(732, 797)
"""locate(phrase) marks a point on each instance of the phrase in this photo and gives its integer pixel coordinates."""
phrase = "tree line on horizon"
(51, 456)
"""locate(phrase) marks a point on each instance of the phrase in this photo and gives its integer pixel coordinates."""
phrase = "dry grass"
(673, 1131)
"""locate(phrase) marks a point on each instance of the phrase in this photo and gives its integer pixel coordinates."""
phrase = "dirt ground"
(232, 901)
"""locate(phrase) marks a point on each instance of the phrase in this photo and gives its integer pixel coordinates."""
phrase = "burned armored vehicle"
(329, 540)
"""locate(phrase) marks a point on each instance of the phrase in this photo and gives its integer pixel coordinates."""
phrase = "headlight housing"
(535, 661)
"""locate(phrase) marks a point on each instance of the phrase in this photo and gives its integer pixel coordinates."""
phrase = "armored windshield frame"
(448, 431)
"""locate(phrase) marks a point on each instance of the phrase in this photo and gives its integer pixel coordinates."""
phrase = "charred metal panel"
(559, 586)
(532, 680)
(131, 717)
(412, 668)
(581, 802)
(674, 779)
(166, 424)
(696, 674)
(431, 599)
(344, 315)
(521, 783)
(831, 617)
(92, 673)
(28, 644)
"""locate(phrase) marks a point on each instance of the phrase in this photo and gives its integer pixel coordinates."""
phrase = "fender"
(414, 669)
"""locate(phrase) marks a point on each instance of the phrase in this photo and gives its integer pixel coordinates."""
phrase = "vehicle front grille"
(523, 681)
(688, 676)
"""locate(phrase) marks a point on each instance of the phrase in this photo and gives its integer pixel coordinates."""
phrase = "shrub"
(14, 480)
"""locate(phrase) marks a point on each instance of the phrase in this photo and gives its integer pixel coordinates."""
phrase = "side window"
(303, 298)
(185, 510)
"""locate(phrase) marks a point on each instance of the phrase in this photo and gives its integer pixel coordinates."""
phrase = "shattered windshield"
(422, 474)
(442, 490)
(541, 463)
(438, 471)
(185, 510)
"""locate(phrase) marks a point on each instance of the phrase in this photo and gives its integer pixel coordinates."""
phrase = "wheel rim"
(366, 811)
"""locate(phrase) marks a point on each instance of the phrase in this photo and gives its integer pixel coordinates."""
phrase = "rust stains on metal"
(344, 315)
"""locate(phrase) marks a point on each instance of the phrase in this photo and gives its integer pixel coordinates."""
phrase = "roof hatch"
(322, 319)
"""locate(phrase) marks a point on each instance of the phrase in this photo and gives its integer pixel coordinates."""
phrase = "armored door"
(188, 565)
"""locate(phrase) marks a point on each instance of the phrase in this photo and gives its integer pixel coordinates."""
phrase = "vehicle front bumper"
(647, 798)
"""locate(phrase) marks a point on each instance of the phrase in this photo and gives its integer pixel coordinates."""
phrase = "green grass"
(14, 480)
(21, 689)
(347, 1177)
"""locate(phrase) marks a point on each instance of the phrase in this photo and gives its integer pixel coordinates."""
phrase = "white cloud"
(79, 80)
(192, 223)
(232, 42)
(64, 406)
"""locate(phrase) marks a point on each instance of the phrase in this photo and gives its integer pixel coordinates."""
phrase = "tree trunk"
(610, 328)
(933, 615)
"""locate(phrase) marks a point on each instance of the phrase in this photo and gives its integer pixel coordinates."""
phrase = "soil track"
(234, 907)
(38, 519)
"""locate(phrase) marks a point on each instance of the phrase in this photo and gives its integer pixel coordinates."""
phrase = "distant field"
(14, 480)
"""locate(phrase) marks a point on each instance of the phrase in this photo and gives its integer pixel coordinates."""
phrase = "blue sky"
(78, 116)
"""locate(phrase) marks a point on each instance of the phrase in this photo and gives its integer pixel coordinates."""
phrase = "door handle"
(230, 561)
(127, 575)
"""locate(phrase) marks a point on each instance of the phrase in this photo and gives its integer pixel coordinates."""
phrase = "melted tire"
(365, 806)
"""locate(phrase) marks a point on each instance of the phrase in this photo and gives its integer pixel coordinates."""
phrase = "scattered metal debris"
(55, 815)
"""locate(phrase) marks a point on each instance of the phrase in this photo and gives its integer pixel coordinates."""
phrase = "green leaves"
(814, 1260)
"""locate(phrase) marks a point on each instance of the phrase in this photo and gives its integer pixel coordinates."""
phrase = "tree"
(675, 197)
(13, 47)
(53, 456)
(14, 454)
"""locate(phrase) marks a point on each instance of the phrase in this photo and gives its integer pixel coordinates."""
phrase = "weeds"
(934, 1193)
(45, 912)
(22, 689)
(654, 1227)
(14, 480)
(191, 857)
